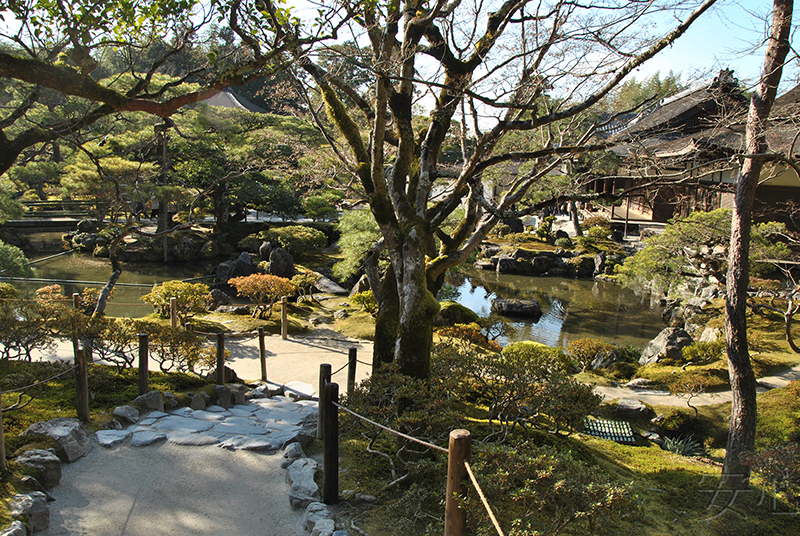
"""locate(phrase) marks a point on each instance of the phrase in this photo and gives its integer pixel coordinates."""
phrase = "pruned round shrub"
(365, 300)
(583, 352)
(563, 242)
(704, 352)
(263, 290)
(192, 298)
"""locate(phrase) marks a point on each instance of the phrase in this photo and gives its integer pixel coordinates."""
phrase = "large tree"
(483, 72)
(742, 435)
(517, 67)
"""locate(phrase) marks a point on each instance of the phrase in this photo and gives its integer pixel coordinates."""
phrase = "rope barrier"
(363, 362)
(340, 369)
(18, 389)
(483, 498)
(395, 432)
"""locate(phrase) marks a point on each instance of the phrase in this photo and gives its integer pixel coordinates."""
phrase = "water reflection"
(571, 308)
(136, 280)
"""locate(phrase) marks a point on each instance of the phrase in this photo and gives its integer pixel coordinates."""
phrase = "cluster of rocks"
(261, 418)
(558, 263)
(182, 247)
(683, 329)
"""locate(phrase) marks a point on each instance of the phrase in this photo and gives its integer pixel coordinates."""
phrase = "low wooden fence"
(458, 454)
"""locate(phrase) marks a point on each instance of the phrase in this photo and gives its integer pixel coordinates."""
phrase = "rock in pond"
(518, 308)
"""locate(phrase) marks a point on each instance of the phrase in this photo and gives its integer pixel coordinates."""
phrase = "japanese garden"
(590, 273)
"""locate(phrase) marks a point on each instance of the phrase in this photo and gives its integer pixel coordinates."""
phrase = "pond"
(571, 308)
(76, 271)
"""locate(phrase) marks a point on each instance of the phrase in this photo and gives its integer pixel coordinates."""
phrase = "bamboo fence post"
(330, 460)
(324, 379)
(2, 441)
(76, 304)
(144, 363)
(173, 312)
(76, 300)
(459, 450)
(220, 359)
(262, 353)
(82, 386)
(284, 317)
(351, 371)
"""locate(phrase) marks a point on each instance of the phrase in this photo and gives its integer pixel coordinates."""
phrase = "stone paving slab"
(261, 424)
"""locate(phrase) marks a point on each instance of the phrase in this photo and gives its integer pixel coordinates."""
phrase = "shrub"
(192, 298)
(13, 262)
(564, 242)
(263, 290)
(524, 385)
(596, 221)
(176, 349)
(305, 282)
(780, 468)
(548, 489)
(583, 352)
(501, 229)
(365, 300)
(296, 239)
(683, 445)
(469, 333)
(704, 352)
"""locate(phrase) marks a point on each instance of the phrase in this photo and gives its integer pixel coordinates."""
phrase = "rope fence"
(51, 378)
(458, 466)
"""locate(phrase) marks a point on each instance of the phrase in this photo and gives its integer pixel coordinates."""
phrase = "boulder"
(711, 334)
(241, 267)
(87, 226)
(328, 286)
(42, 465)
(486, 265)
(219, 298)
(324, 527)
(292, 452)
(561, 233)
(599, 263)
(631, 408)
(127, 413)
(544, 262)
(224, 398)
(300, 476)
(451, 313)
(197, 402)
(70, 434)
(281, 263)
(517, 308)
(264, 251)
(507, 264)
(153, 400)
(489, 250)
(583, 265)
(241, 310)
(33, 507)
(362, 285)
(209, 250)
(316, 512)
(667, 344)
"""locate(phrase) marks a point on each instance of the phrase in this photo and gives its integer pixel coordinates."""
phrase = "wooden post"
(330, 459)
(2, 441)
(173, 311)
(324, 379)
(284, 317)
(188, 326)
(351, 371)
(459, 450)
(76, 304)
(262, 354)
(144, 361)
(82, 386)
(220, 359)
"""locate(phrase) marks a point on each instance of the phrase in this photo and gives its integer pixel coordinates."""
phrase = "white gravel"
(175, 490)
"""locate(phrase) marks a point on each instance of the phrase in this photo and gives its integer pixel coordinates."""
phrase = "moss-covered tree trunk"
(386, 321)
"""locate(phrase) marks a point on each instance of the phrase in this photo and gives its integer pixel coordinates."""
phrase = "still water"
(136, 280)
(571, 308)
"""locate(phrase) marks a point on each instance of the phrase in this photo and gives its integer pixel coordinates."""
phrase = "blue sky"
(722, 38)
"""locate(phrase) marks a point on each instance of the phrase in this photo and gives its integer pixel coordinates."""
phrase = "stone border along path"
(261, 424)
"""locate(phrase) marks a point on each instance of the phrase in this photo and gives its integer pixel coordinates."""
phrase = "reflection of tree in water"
(571, 308)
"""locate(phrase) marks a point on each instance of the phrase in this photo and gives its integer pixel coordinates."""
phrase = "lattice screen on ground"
(619, 431)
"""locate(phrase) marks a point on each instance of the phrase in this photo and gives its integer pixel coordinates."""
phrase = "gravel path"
(168, 489)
